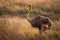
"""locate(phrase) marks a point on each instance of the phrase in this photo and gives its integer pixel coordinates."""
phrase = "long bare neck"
(27, 17)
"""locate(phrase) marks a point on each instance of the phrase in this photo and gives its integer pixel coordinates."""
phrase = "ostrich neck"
(28, 19)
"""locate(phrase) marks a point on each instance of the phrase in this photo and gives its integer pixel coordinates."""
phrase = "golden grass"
(16, 28)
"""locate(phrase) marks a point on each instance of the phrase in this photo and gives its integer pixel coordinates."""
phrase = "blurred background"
(14, 26)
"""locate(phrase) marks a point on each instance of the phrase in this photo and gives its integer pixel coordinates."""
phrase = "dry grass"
(14, 26)
(17, 28)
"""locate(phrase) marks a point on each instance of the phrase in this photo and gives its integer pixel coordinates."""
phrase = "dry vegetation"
(14, 26)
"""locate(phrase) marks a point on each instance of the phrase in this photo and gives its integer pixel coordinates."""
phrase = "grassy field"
(14, 26)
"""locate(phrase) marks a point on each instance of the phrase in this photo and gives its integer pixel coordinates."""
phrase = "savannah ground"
(14, 26)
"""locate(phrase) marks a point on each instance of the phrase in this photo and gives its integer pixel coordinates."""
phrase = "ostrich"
(41, 22)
